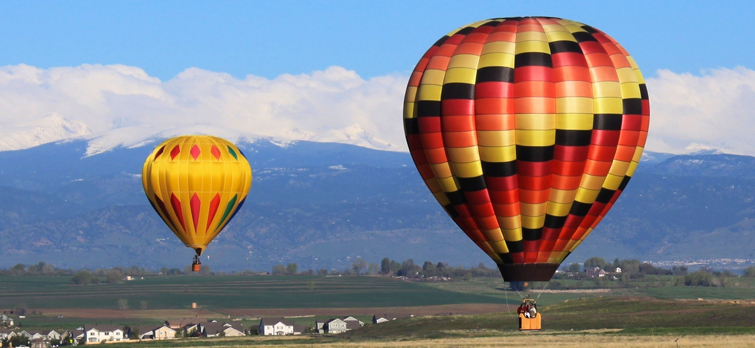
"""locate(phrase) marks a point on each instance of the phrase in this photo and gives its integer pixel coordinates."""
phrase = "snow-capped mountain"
(323, 204)
(46, 130)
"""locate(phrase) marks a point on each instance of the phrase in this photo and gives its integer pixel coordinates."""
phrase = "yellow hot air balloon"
(196, 184)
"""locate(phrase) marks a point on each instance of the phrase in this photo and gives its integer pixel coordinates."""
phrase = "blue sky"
(120, 72)
(373, 38)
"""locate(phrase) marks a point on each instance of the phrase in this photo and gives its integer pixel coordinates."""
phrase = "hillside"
(321, 205)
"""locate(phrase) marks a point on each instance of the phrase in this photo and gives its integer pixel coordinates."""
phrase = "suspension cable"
(506, 292)
(541, 291)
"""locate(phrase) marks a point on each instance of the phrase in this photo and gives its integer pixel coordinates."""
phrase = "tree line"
(406, 268)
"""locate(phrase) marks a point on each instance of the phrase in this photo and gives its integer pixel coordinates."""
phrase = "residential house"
(215, 329)
(595, 272)
(377, 319)
(141, 332)
(6, 320)
(75, 335)
(192, 330)
(54, 336)
(235, 330)
(212, 329)
(320, 326)
(163, 333)
(36, 334)
(618, 270)
(277, 326)
(338, 325)
(102, 333)
(38, 343)
(350, 318)
(177, 324)
(4, 333)
(335, 325)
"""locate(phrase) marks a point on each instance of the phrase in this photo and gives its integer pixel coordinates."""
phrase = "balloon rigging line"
(506, 293)
(541, 291)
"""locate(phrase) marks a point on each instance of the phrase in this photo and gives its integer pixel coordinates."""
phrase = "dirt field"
(91, 313)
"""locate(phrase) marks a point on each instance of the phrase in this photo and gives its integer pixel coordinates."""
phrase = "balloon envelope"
(526, 131)
(196, 184)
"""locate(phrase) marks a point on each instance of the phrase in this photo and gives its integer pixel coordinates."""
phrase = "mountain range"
(322, 205)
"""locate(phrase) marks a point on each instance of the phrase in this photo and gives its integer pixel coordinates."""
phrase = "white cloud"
(713, 111)
(118, 104)
(123, 105)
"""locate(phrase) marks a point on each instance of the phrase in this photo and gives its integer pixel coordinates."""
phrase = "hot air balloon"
(526, 130)
(196, 184)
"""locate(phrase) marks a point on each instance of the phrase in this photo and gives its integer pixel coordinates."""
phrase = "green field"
(213, 292)
(652, 307)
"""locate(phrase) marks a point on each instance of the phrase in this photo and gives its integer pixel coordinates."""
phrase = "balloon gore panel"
(526, 130)
(188, 185)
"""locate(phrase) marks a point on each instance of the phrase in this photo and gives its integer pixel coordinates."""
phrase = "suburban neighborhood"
(15, 336)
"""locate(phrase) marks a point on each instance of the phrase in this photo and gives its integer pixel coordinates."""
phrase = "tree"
(682, 270)
(122, 304)
(699, 278)
(135, 331)
(574, 268)
(48, 269)
(408, 269)
(395, 267)
(113, 276)
(311, 285)
(322, 271)
(18, 269)
(749, 272)
(81, 278)
(292, 268)
(385, 266)
(143, 304)
(429, 269)
(279, 270)
(372, 268)
(595, 262)
(20, 309)
(358, 265)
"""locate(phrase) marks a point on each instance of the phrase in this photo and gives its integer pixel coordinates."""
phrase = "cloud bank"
(122, 105)
(713, 111)
(118, 104)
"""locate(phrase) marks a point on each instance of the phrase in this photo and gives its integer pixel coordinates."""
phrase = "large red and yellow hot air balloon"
(526, 130)
(196, 184)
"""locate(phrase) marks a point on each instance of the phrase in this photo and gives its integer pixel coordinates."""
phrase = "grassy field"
(212, 292)
(655, 311)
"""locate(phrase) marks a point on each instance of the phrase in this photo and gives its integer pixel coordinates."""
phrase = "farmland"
(470, 312)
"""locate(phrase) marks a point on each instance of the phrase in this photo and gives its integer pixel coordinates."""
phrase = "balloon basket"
(195, 267)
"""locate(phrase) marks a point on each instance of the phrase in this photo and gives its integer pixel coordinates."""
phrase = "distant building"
(6, 320)
(38, 343)
(280, 326)
(104, 333)
(54, 336)
(176, 324)
(4, 333)
(164, 333)
(377, 319)
(235, 330)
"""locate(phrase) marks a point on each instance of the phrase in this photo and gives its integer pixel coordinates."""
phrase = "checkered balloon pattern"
(526, 130)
